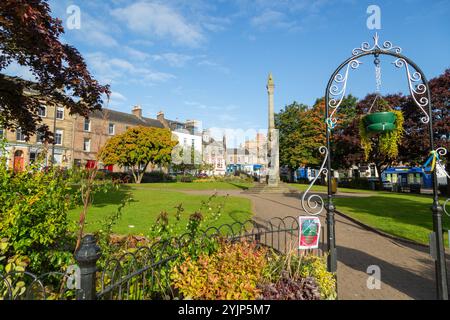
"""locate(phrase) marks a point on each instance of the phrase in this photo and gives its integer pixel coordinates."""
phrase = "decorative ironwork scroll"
(387, 46)
(417, 90)
(337, 91)
(315, 204)
(416, 84)
(440, 169)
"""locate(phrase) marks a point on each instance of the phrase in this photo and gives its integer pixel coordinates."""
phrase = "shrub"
(316, 267)
(233, 178)
(156, 176)
(33, 217)
(290, 289)
(185, 178)
(291, 270)
(121, 177)
(355, 183)
(232, 272)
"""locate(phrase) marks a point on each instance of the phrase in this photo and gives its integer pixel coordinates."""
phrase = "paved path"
(407, 271)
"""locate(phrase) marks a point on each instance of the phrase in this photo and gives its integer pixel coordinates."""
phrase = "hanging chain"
(378, 74)
(377, 79)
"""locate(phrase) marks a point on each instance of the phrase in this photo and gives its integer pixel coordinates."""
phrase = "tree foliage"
(287, 121)
(302, 131)
(29, 36)
(347, 141)
(414, 147)
(137, 148)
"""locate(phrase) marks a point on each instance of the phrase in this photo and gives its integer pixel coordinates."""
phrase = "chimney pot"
(160, 115)
(137, 111)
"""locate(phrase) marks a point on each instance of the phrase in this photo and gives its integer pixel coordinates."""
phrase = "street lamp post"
(334, 95)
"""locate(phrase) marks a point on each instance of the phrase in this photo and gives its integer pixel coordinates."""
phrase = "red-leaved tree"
(29, 36)
(414, 147)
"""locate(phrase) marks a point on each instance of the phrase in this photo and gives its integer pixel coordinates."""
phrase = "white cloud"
(173, 59)
(117, 99)
(136, 54)
(100, 38)
(198, 105)
(117, 96)
(227, 118)
(142, 43)
(195, 104)
(161, 21)
(214, 66)
(115, 70)
(95, 32)
(267, 17)
(271, 18)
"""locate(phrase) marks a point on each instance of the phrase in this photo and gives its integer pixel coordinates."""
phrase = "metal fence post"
(86, 257)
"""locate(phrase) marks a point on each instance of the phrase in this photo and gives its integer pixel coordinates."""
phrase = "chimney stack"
(137, 111)
(160, 116)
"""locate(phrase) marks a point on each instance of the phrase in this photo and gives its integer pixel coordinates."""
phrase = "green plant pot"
(380, 121)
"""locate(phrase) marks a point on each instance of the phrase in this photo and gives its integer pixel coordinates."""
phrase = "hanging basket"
(380, 122)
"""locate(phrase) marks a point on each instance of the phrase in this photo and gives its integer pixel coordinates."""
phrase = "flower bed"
(244, 271)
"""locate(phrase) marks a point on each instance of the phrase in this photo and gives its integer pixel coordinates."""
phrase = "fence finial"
(86, 257)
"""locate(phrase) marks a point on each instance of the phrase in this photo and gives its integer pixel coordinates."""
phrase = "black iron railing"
(145, 272)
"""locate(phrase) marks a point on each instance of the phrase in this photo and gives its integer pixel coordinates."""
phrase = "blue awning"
(403, 170)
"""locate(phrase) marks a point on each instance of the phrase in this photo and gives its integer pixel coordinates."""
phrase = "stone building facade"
(92, 133)
(77, 139)
(23, 152)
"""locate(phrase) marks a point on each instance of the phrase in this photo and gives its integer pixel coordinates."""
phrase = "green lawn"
(403, 215)
(195, 185)
(141, 213)
(303, 187)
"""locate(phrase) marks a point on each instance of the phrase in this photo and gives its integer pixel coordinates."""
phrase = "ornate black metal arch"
(334, 95)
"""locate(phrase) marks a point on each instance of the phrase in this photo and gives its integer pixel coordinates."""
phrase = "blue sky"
(209, 60)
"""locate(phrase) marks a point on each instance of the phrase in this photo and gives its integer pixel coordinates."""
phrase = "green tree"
(313, 133)
(137, 148)
(287, 121)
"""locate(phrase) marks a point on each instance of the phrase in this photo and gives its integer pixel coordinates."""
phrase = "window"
(111, 129)
(33, 157)
(87, 145)
(87, 124)
(42, 111)
(57, 159)
(58, 137)
(39, 137)
(2, 132)
(19, 135)
(394, 178)
(60, 113)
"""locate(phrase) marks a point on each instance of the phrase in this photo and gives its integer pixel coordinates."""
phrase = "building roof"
(113, 115)
(238, 151)
(117, 116)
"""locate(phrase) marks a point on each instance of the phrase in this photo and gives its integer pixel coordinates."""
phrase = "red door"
(91, 164)
(110, 168)
(18, 161)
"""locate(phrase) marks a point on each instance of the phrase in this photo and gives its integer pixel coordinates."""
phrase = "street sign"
(309, 232)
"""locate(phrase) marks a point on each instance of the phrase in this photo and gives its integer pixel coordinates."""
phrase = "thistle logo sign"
(309, 232)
